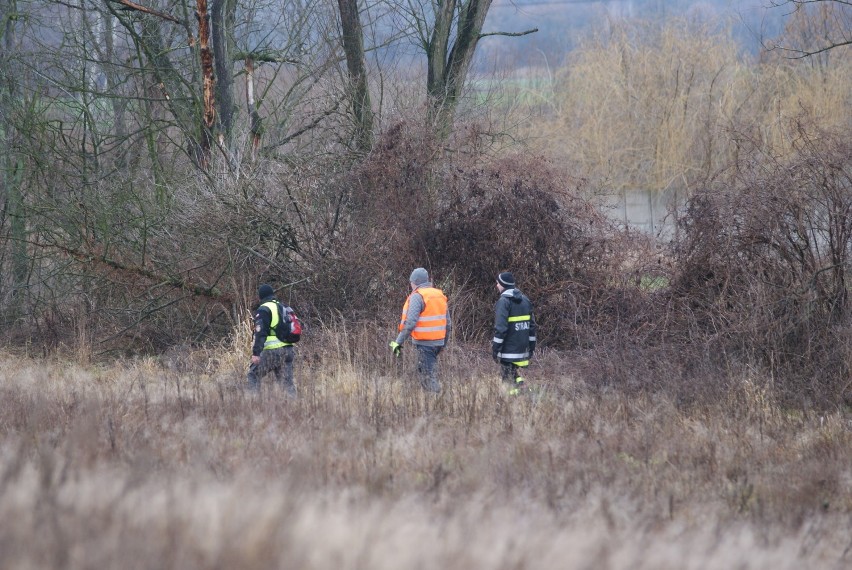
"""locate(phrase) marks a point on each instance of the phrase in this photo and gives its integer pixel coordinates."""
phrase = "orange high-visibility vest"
(432, 323)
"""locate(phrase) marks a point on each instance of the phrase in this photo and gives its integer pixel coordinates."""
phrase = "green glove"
(395, 347)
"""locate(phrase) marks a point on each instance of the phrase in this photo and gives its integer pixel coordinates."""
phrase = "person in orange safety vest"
(426, 319)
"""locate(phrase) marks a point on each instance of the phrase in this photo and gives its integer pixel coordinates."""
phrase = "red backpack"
(289, 327)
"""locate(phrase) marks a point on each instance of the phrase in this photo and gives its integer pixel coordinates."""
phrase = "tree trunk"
(448, 67)
(11, 165)
(223, 19)
(208, 81)
(180, 103)
(353, 47)
(194, 118)
(113, 83)
(256, 122)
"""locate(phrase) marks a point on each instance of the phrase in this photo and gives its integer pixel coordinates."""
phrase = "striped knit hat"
(506, 279)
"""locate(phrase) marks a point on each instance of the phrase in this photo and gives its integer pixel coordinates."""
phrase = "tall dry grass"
(168, 463)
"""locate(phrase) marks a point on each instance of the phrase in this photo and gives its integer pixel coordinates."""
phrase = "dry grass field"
(168, 463)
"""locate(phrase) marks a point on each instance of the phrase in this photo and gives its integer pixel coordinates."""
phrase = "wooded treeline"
(160, 159)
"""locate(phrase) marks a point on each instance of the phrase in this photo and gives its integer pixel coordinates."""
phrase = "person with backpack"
(514, 332)
(426, 318)
(276, 329)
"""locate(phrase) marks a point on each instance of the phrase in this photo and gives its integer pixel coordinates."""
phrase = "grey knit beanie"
(419, 276)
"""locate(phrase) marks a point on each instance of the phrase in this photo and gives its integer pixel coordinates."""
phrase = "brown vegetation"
(167, 463)
(763, 266)
(757, 277)
(691, 402)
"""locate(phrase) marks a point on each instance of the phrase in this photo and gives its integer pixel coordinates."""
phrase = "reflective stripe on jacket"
(514, 328)
(272, 341)
(432, 322)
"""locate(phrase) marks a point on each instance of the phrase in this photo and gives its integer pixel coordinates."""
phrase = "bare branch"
(265, 56)
(803, 2)
(834, 18)
(174, 281)
(801, 54)
(139, 8)
(304, 129)
(510, 34)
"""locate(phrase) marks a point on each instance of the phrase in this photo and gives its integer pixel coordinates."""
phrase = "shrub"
(763, 266)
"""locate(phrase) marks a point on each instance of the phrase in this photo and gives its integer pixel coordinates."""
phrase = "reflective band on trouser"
(272, 341)
(432, 322)
(511, 355)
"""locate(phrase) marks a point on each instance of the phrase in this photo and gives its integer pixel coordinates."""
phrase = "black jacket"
(262, 322)
(514, 327)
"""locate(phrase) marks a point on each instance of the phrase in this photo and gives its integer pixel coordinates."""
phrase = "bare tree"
(816, 26)
(448, 64)
(353, 47)
(449, 31)
(223, 16)
(11, 163)
(195, 115)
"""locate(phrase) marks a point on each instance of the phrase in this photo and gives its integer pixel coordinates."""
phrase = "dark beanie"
(506, 279)
(265, 291)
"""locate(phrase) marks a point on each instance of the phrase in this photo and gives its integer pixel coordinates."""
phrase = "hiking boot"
(519, 387)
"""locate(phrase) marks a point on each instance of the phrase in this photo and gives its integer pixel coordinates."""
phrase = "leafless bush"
(466, 216)
(759, 276)
(522, 214)
(764, 265)
(384, 203)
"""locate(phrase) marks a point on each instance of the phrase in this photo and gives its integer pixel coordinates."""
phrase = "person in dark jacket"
(269, 354)
(514, 332)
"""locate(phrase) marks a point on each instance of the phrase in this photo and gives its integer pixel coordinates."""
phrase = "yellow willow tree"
(809, 84)
(642, 108)
(651, 108)
(819, 26)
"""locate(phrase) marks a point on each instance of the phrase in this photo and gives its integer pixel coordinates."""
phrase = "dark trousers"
(279, 362)
(510, 372)
(427, 367)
